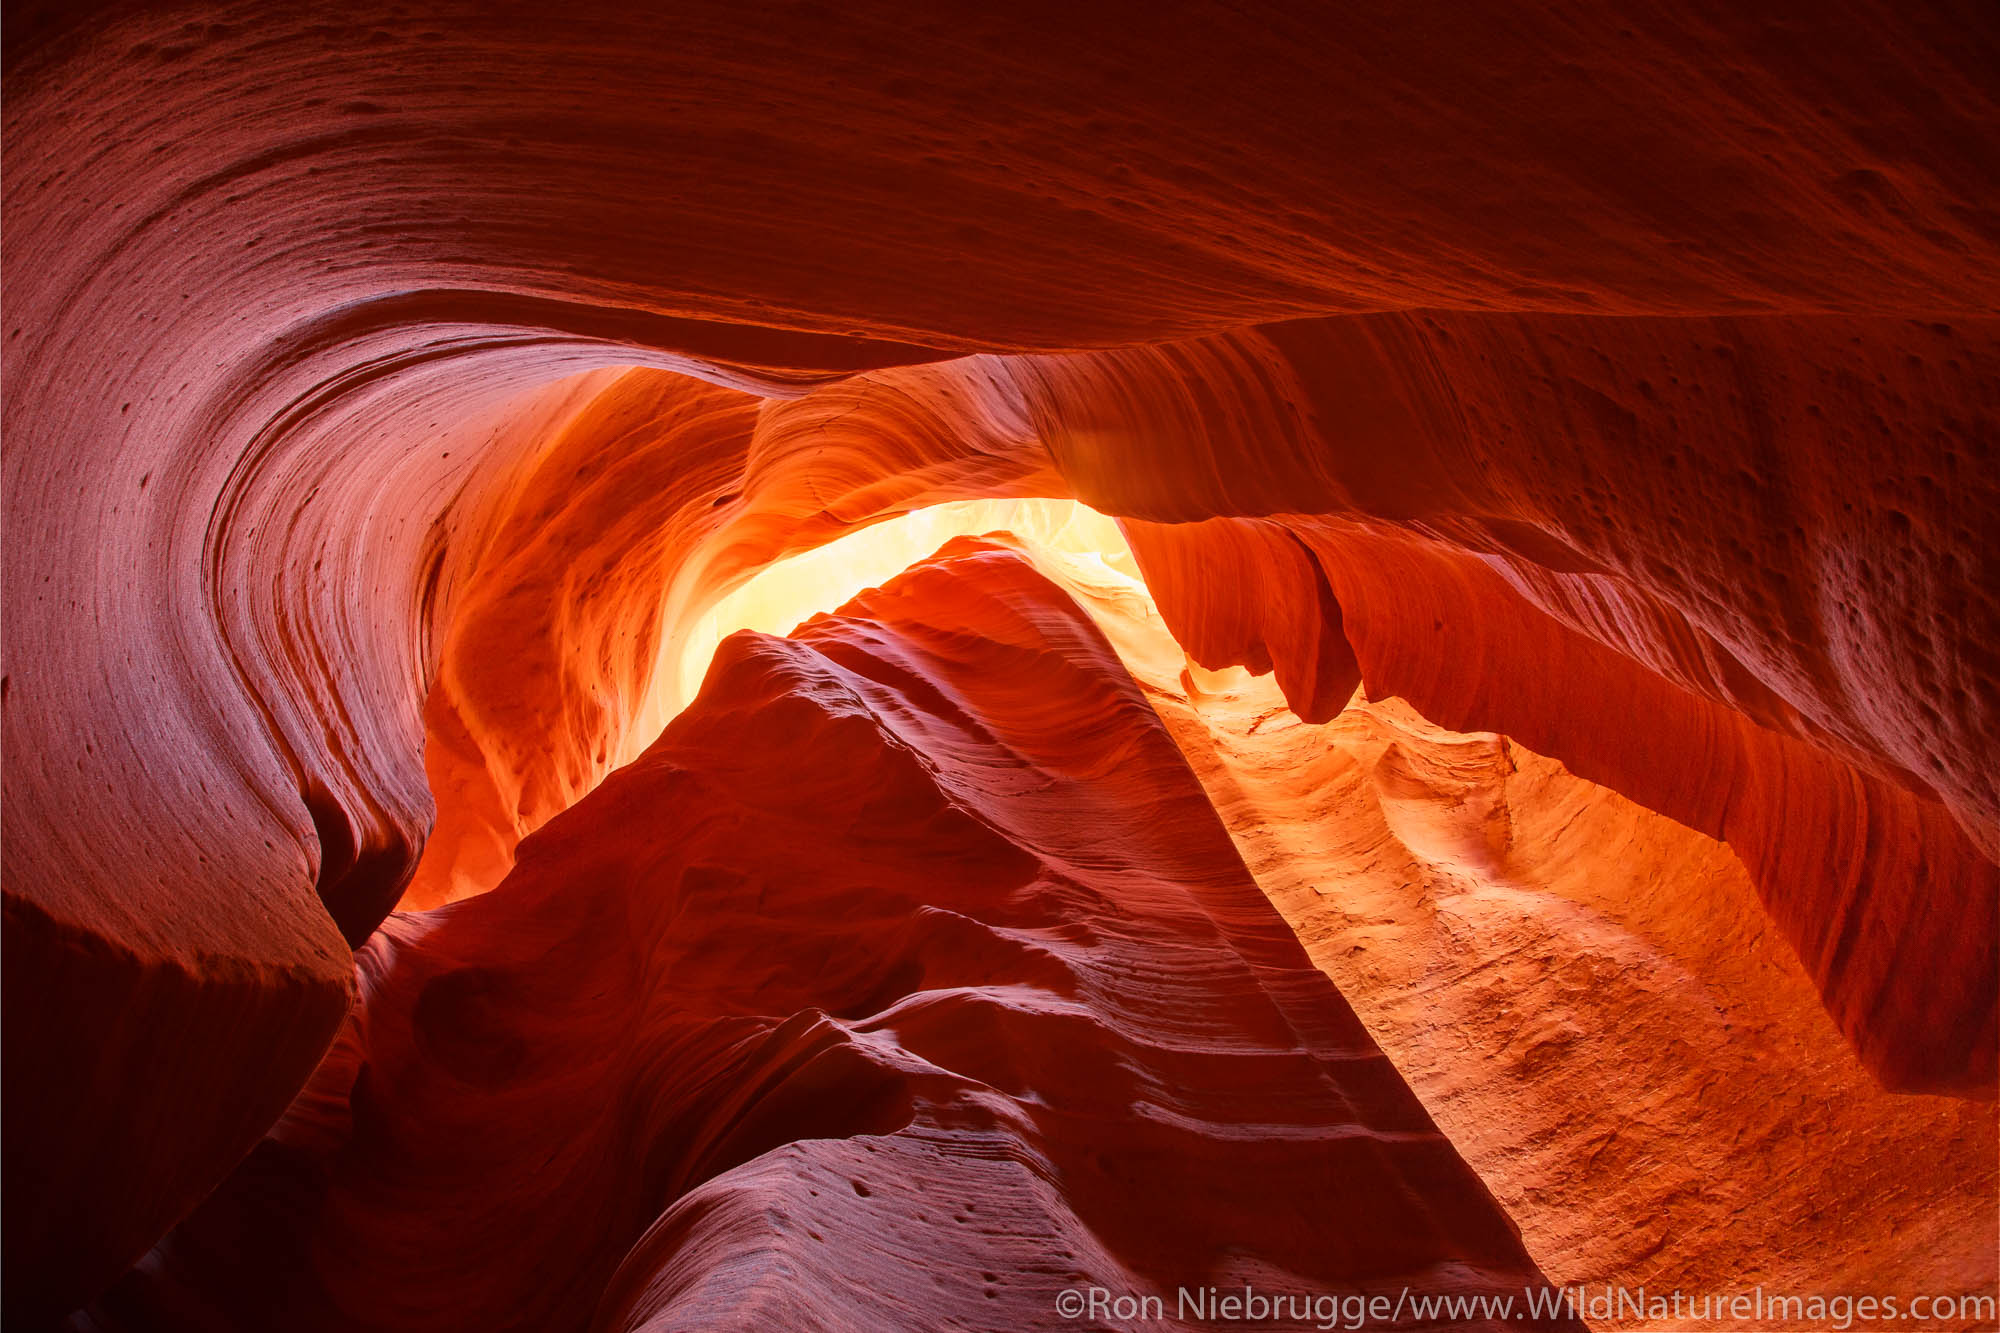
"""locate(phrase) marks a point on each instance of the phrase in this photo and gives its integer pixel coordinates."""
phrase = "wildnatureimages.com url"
(1597, 1306)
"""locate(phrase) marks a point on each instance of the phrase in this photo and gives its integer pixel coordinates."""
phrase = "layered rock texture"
(1587, 998)
(393, 393)
(908, 980)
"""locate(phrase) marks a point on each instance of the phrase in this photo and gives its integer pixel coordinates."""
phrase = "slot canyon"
(879, 666)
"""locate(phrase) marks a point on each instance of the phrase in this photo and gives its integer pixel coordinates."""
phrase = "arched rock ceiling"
(1624, 382)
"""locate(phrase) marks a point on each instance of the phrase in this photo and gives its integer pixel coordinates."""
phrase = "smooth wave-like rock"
(1628, 379)
(1864, 808)
(652, 501)
(908, 980)
(1586, 996)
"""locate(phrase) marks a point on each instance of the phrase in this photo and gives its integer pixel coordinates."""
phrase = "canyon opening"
(719, 666)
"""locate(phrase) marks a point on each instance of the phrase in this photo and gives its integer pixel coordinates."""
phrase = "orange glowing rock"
(381, 391)
(1587, 997)
(908, 980)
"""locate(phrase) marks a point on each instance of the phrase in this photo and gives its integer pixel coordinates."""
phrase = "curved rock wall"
(1585, 995)
(299, 300)
(1585, 567)
(728, 1049)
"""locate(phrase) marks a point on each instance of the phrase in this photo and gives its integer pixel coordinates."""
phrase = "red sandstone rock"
(1588, 998)
(907, 981)
(295, 301)
(1538, 583)
(646, 506)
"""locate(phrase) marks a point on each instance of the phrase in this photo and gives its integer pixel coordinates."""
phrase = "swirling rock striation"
(908, 980)
(1802, 606)
(1627, 377)
(1587, 996)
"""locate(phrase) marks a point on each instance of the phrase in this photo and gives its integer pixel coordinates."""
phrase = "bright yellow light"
(1075, 544)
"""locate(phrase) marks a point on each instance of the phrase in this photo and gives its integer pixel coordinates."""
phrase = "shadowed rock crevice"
(1118, 1073)
(392, 397)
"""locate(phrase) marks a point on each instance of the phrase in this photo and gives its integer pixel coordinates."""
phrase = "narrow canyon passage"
(1371, 662)
(1585, 996)
(1533, 950)
(914, 967)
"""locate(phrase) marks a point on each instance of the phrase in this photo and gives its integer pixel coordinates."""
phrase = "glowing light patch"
(781, 596)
